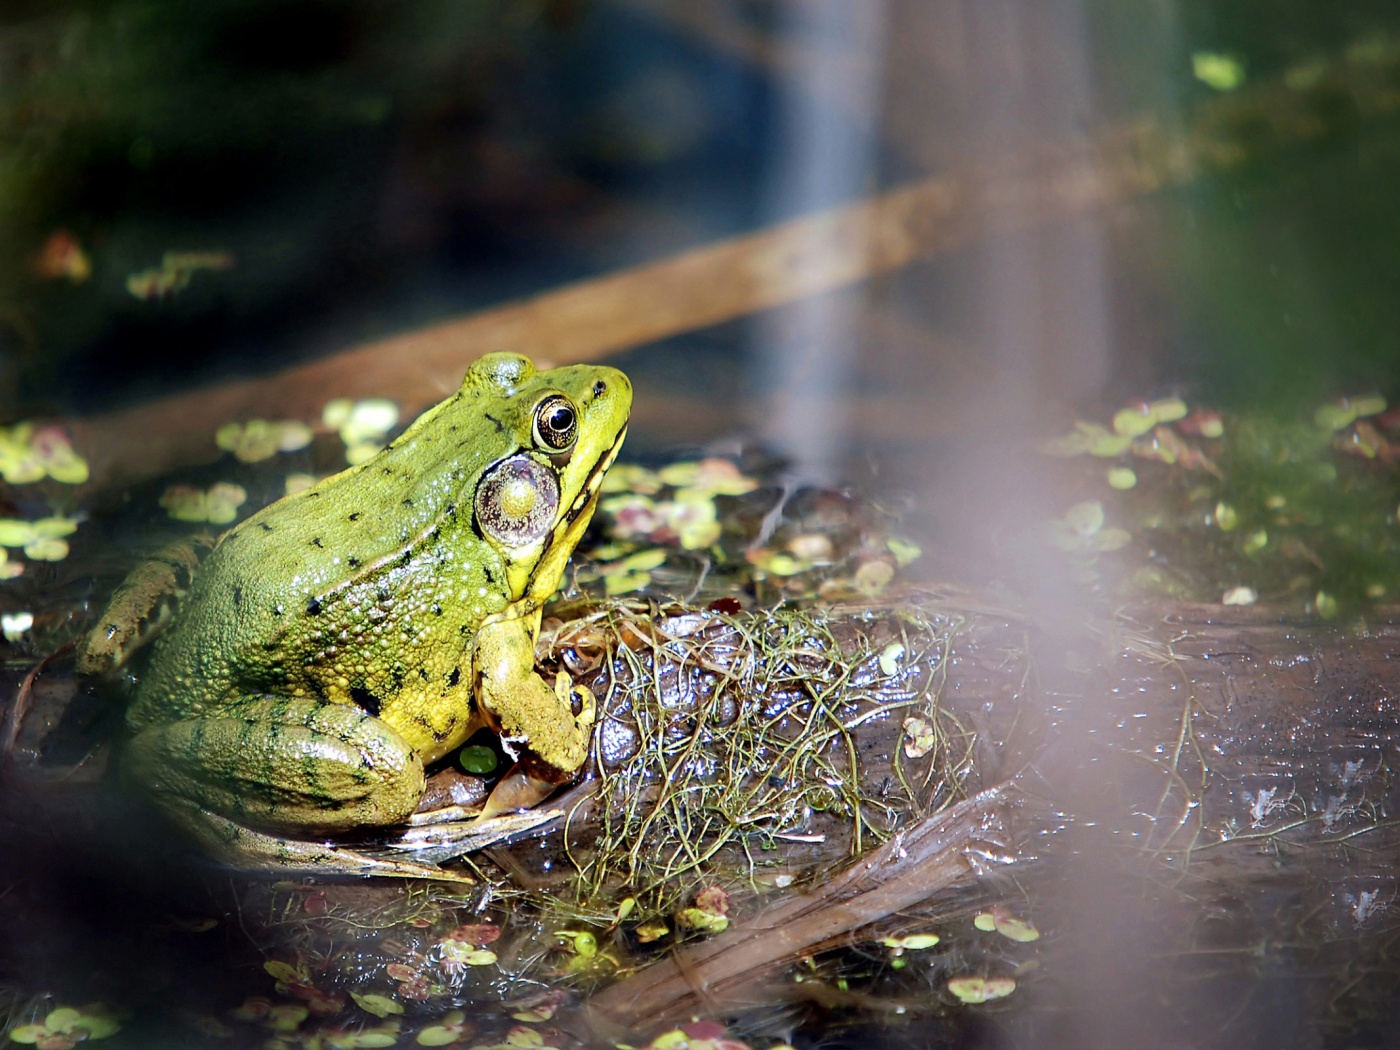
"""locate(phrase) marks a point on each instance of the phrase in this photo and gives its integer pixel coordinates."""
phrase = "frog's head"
(559, 431)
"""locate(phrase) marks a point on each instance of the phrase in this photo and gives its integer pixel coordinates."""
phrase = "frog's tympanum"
(341, 639)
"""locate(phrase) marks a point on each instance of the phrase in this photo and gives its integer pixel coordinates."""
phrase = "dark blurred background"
(343, 171)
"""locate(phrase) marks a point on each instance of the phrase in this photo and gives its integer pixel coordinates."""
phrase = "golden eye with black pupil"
(556, 424)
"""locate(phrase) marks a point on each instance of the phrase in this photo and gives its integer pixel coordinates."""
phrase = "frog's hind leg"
(261, 775)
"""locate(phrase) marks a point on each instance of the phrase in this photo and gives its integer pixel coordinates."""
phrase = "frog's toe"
(435, 843)
(587, 707)
(248, 849)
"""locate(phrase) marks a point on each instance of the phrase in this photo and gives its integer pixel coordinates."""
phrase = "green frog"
(343, 638)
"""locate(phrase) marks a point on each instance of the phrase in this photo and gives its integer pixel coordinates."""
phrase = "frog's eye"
(516, 501)
(556, 423)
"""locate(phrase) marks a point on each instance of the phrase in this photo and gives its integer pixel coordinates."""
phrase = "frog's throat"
(537, 581)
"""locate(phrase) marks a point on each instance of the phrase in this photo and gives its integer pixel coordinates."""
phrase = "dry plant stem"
(580, 322)
(587, 320)
(728, 968)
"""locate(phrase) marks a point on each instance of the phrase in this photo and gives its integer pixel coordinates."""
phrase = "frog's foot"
(554, 724)
(256, 851)
(434, 841)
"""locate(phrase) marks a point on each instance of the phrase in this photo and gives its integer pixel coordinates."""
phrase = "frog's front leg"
(554, 727)
(261, 775)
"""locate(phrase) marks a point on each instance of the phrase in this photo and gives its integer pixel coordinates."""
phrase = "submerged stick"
(911, 867)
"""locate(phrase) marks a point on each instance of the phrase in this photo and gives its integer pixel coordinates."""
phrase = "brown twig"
(580, 322)
(904, 871)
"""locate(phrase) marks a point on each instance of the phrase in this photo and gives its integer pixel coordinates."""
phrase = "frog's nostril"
(600, 388)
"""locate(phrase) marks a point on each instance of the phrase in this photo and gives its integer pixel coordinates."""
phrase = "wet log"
(1213, 743)
(1201, 734)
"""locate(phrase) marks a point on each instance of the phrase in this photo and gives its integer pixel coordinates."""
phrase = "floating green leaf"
(973, 990)
(1122, 478)
(374, 1003)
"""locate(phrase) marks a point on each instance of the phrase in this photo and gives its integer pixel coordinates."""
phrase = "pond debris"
(296, 981)
(217, 504)
(362, 425)
(632, 573)
(1286, 507)
(698, 1035)
(541, 1008)
(381, 1035)
(709, 912)
(920, 737)
(62, 256)
(1343, 412)
(9, 569)
(755, 747)
(674, 505)
(1240, 595)
(910, 942)
(260, 439)
(67, 1026)
(1001, 921)
(731, 533)
(1121, 478)
(587, 958)
(1082, 530)
(41, 540)
(518, 1038)
(174, 273)
(15, 625)
(451, 1027)
(377, 1004)
(29, 454)
(1218, 70)
(975, 990)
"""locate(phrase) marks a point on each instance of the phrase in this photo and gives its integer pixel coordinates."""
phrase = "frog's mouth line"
(583, 504)
(589, 491)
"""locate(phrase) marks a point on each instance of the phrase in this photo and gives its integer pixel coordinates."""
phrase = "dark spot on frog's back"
(238, 594)
(264, 526)
(316, 542)
(365, 700)
(355, 516)
(453, 677)
(353, 562)
(500, 427)
(313, 606)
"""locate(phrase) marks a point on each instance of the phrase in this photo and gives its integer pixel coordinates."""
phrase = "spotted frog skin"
(341, 639)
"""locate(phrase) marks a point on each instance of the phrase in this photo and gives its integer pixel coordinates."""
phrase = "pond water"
(874, 256)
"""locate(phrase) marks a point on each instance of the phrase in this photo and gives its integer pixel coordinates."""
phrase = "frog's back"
(302, 598)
